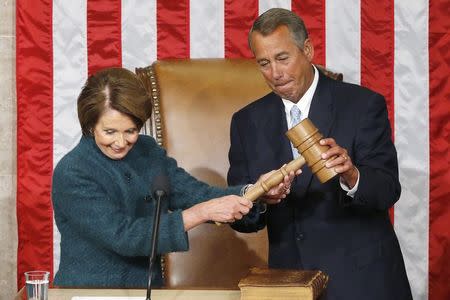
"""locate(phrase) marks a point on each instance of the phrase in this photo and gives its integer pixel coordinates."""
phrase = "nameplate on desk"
(108, 298)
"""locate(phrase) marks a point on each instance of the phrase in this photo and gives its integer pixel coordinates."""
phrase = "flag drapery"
(396, 47)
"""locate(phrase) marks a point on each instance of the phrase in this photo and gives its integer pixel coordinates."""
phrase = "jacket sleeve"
(376, 159)
(238, 174)
(186, 190)
(85, 206)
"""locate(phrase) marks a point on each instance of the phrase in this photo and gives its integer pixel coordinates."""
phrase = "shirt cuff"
(350, 192)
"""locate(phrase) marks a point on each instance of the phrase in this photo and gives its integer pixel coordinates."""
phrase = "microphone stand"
(159, 194)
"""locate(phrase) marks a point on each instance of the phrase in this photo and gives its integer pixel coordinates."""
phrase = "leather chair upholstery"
(193, 101)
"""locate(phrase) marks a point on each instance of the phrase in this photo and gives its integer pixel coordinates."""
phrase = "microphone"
(160, 189)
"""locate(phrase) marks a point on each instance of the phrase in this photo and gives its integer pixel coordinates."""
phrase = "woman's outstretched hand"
(225, 209)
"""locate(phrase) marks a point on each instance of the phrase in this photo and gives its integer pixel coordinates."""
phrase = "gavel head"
(305, 137)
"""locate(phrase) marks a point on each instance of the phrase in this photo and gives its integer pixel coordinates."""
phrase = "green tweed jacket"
(104, 212)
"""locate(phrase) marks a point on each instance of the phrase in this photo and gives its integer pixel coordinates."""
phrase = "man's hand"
(279, 192)
(341, 163)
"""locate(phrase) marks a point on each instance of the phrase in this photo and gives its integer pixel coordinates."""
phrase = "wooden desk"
(67, 294)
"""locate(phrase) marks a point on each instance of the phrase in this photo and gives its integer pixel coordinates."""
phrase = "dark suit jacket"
(318, 226)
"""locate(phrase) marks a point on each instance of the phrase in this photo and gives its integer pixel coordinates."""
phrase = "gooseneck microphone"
(160, 189)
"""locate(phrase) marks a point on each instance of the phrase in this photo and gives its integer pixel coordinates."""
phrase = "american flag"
(396, 47)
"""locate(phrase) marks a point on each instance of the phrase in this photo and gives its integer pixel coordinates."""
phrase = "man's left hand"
(340, 162)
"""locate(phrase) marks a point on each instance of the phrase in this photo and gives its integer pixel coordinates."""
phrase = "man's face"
(286, 68)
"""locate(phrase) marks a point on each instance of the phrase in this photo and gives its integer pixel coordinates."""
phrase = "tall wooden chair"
(193, 101)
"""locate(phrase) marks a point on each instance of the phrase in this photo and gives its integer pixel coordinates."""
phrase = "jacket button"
(300, 237)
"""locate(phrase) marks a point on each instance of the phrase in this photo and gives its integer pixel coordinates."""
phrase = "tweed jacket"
(104, 212)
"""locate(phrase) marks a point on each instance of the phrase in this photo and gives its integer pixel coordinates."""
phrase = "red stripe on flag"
(34, 79)
(439, 227)
(313, 14)
(173, 29)
(239, 18)
(104, 34)
(377, 53)
(377, 50)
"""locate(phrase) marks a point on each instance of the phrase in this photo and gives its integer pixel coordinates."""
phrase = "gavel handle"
(260, 188)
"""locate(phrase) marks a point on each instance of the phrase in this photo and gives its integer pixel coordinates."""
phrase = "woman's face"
(115, 134)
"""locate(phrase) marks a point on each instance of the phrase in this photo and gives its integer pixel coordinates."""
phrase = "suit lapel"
(274, 127)
(321, 114)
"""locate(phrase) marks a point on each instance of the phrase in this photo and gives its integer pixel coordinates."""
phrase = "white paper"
(107, 298)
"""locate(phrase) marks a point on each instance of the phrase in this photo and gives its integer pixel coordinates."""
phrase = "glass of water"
(37, 285)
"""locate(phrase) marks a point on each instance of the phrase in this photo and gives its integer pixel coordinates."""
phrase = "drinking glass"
(37, 285)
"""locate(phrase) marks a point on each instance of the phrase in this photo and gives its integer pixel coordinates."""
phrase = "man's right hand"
(276, 194)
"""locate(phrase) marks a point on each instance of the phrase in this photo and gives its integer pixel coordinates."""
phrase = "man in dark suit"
(341, 227)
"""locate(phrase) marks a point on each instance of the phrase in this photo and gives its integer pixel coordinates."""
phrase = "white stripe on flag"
(411, 138)
(265, 5)
(343, 38)
(138, 33)
(69, 75)
(207, 29)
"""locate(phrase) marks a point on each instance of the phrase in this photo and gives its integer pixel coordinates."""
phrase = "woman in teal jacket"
(101, 191)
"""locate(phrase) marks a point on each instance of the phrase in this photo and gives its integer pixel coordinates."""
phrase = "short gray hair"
(270, 20)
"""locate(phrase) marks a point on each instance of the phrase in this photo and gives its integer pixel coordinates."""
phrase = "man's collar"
(305, 101)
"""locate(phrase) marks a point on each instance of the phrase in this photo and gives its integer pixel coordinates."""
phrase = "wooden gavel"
(305, 137)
